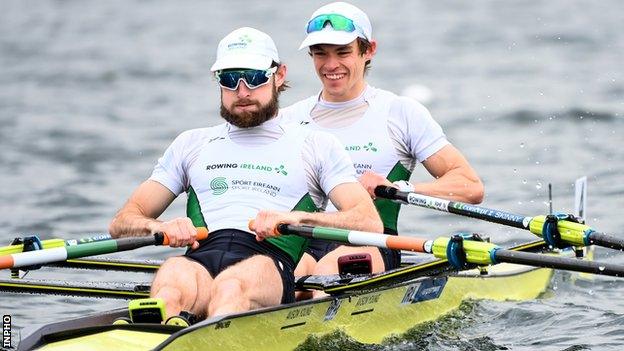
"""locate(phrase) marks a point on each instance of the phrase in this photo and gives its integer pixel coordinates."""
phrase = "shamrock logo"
(370, 147)
(281, 169)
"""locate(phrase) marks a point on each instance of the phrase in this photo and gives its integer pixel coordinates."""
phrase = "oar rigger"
(455, 253)
(550, 230)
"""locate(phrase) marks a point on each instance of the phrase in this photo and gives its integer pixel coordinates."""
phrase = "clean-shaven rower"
(385, 134)
(251, 167)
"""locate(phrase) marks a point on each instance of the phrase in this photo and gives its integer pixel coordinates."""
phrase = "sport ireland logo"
(218, 186)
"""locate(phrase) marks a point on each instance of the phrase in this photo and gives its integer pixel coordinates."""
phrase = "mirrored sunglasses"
(253, 78)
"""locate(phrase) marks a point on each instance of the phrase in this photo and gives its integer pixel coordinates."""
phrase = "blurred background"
(532, 92)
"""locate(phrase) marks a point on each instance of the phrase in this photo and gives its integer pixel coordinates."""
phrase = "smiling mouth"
(335, 76)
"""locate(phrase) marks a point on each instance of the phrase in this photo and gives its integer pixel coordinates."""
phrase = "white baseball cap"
(328, 35)
(245, 48)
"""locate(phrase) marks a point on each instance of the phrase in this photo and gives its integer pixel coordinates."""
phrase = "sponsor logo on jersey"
(279, 169)
(218, 185)
(370, 147)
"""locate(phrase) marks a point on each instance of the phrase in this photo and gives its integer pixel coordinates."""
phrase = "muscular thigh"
(188, 276)
(260, 280)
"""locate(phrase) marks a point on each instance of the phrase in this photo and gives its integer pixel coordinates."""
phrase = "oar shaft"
(52, 243)
(63, 253)
(548, 261)
(455, 207)
(476, 252)
(605, 240)
(87, 249)
(91, 289)
(355, 237)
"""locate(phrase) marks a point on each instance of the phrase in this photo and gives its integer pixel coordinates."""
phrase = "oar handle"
(163, 239)
(392, 193)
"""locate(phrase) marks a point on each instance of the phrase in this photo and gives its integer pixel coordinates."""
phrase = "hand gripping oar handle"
(569, 232)
(88, 249)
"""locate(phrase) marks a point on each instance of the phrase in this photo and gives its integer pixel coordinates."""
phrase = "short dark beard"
(252, 119)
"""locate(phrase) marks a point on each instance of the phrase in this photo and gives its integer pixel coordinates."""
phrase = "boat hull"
(367, 316)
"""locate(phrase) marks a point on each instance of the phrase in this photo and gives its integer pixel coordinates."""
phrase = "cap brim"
(332, 37)
(249, 61)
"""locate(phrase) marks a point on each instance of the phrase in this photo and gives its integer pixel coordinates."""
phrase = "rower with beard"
(251, 167)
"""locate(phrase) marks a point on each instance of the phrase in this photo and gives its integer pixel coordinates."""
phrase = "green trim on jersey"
(388, 209)
(295, 245)
(193, 209)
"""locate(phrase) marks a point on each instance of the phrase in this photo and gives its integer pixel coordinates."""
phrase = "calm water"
(532, 92)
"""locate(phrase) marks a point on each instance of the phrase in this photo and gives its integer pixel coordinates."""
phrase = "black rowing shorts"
(227, 247)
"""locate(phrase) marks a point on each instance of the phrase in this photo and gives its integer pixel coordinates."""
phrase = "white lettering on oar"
(427, 201)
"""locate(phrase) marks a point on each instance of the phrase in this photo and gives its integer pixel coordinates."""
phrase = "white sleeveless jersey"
(393, 134)
(227, 183)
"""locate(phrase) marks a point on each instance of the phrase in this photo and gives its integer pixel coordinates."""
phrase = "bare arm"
(455, 178)
(138, 216)
(356, 211)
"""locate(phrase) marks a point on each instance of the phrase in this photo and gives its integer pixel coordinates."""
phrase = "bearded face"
(247, 112)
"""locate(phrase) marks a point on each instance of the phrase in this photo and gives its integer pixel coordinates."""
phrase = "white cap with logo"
(328, 35)
(245, 48)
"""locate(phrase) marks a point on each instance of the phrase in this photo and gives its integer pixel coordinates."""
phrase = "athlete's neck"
(334, 115)
(349, 95)
(359, 99)
(263, 134)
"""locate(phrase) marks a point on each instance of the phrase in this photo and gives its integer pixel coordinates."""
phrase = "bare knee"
(305, 266)
(226, 292)
(177, 283)
(168, 273)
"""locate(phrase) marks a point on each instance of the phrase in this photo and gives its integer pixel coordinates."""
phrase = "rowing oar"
(555, 230)
(52, 243)
(457, 250)
(88, 249)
